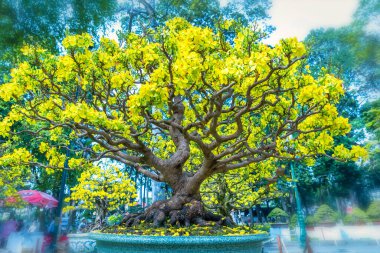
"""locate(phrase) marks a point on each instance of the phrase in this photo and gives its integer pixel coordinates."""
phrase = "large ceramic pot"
(112, 243)
(81, 243)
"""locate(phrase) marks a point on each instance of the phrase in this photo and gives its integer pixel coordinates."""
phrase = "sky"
(298, 17)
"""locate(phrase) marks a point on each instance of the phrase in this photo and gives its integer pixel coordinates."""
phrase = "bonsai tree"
(102, 190)
(358, 216)
(310, 220)
(278, 214)
(325, 214)
(373, 210)
(179, 104)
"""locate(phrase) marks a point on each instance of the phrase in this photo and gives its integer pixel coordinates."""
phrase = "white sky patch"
(112, 33)
(373, 26)
(224, 2)
(296, 18)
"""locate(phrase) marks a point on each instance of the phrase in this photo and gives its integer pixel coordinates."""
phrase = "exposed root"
(176, 212)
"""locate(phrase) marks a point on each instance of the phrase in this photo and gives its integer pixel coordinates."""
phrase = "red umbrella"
(38, 198)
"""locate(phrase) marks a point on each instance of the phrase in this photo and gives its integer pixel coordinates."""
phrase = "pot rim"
(184, 240)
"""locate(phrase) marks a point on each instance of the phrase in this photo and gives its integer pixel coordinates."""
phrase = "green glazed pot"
(112, 243)
(81, 243)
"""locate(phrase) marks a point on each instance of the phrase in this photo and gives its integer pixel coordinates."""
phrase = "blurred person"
(63, 243)
(51, 227)
(47, 245)
(33, 227)
(8, 227)
(1, 228)
(20, 226)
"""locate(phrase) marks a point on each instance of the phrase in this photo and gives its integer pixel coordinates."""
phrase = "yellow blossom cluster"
(243, 101)
(107, 188)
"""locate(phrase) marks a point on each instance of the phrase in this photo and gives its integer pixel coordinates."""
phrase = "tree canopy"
(179, 104)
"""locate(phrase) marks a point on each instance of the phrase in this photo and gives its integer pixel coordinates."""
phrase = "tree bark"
(101, 212)
(183, 208)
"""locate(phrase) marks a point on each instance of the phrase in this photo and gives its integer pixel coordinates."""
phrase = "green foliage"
(330, 179)
(343, 51)
(263, 227)
(277, 213)
(357, 216)
(135, 209)
(373, 210)
(371, 114)
(33, 21)
(114, 219)
(325, 214)
(293, 221)
(350, 52)
(198, 12)
(310, 220)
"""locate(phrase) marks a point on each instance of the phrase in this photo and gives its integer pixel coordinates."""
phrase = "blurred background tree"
(352, 54)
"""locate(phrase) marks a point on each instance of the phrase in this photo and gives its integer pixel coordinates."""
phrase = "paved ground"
(327, 247)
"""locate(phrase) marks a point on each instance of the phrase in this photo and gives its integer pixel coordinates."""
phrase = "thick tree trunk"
(101, 212)
(102, 215)
(182, 209)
